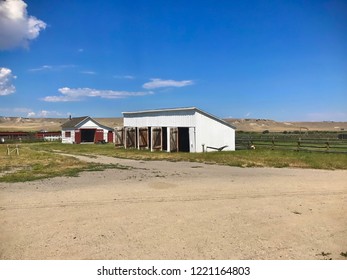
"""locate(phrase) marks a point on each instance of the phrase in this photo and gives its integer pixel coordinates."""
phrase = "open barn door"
(77, 136)
(119, 136)
(99, 136)
(156, 138)
(174, 139)
(130, 137)
(143, 138)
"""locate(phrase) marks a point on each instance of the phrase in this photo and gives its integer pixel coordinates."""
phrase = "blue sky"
(281, 60)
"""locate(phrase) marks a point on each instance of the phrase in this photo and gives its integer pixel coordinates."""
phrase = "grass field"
(34, 162)
(42, 160)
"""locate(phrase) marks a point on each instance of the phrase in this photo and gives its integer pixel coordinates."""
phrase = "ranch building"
(85, 130)
(175, 130)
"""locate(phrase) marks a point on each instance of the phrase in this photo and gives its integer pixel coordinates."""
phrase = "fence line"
(298, 144)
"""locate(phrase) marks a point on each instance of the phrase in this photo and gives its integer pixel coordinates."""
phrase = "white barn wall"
(210, 132)
(203, 128)
(160, 119)
(68, 140)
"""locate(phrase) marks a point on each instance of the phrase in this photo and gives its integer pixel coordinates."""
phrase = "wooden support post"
(151, 140)
(138, 138)
(168, 131)
(161, 138)
(125, 137)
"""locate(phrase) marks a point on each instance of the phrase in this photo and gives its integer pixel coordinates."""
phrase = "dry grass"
(32, 164)
(244, 158)
(42, 160)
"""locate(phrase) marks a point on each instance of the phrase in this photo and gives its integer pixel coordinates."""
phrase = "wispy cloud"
(159, 83)
(17, 27)
(51, 68)
(77, 94)
(6, 77)
(30, 113)
(88, 72)
(126, 77)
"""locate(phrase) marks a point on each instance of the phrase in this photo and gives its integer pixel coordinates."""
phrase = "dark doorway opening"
(87, 135)
(183, 139)
(164, 138)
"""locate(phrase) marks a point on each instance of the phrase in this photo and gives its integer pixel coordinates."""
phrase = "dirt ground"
(167, 210)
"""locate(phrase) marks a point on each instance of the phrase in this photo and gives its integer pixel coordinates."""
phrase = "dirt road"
(166, 210)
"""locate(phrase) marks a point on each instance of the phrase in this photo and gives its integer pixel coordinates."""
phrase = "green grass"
(242, 158)
(34, 163)
(42, 160)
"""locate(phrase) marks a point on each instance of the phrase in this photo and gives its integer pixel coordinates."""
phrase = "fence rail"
(291, 143)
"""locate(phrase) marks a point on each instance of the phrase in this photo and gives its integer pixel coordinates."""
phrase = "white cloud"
(51, 67)
(30, 113)
(127, 77)
(6, 77)
(88, 72)
(77, 94)
(41, 68)
(15, 111)
(158, 83)
(45, 114)
(17, 27)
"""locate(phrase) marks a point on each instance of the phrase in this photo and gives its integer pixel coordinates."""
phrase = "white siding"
(204, 129)
(88, 124)
(210, 132)
(160, 119)
(68, 140)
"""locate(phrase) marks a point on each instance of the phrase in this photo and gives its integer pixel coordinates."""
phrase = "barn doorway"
(183, 139)
(164, 138)
(87, 135)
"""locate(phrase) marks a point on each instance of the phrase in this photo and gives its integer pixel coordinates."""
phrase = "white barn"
(85, 130)
(179, 129)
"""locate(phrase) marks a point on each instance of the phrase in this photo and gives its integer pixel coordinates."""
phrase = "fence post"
(327, 145)
(299, 144)
(273, 143)
(15, 149)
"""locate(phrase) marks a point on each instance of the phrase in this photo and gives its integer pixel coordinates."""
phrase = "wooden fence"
(282, 142)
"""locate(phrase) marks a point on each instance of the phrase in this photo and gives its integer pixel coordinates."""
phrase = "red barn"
(85, 130)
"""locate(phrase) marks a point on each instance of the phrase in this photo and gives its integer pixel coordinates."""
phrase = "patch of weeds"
(343, 254)
(298, 213)
(102, 167)
(323, 254)
(88, 155)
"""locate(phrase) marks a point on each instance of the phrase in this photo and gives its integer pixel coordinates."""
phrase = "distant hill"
(260, 125)
(251, 125)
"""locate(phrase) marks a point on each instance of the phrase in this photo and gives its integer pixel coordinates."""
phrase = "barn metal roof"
(180, 109)
(74, 122)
